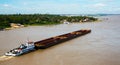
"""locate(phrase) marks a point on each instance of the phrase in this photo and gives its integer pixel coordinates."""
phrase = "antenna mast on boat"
(28, 39)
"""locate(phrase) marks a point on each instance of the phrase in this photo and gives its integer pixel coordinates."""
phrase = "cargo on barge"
(59, 39)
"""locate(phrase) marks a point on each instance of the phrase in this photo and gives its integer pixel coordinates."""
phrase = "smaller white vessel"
(23, 48)
(66, 22)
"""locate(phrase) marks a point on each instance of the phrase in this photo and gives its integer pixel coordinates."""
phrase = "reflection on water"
(100, 47)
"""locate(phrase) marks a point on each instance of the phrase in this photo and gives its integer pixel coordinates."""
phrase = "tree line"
(39, 19)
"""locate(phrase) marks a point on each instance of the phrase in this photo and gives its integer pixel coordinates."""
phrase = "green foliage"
(38, 19)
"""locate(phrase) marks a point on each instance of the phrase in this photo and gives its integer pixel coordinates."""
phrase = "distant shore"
(22, 20)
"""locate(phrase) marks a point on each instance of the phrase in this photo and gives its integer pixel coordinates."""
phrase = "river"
(100, 47)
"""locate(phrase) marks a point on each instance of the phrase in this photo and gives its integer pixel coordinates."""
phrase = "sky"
(60, 6)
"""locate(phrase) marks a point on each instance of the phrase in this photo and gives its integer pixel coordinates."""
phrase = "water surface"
(100, 47)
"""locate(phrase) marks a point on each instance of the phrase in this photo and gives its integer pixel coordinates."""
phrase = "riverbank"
(40, 19)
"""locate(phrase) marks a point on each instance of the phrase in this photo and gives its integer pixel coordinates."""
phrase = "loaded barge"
(30, 46)
(59, 39)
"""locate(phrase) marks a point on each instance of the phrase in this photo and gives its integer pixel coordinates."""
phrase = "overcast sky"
(60, 6)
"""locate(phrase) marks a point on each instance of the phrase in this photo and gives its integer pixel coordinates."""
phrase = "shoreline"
(11, 28)
(40, 19)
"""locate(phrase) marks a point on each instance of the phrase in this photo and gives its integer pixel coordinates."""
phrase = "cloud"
(99, 5)
(5, 5)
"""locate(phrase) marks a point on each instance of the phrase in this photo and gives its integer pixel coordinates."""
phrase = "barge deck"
(59, 39)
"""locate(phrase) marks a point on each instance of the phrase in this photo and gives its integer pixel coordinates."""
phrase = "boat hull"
(17, 52)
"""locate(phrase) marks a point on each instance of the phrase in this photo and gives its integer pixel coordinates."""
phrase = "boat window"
(23, 46)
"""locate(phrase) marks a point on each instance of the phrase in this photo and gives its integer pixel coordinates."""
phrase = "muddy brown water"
(100, 47)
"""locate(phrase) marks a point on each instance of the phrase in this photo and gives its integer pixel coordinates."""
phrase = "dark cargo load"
(59, 39)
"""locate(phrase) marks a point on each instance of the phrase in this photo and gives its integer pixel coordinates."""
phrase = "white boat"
(23, 48)
(66, 22)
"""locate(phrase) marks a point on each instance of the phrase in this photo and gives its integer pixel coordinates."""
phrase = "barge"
(42, 44)
(59, 39)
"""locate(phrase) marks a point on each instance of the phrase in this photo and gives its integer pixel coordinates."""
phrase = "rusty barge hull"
(59, 39)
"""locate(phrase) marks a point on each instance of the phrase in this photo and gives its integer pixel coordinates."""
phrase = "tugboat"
(23, 48)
